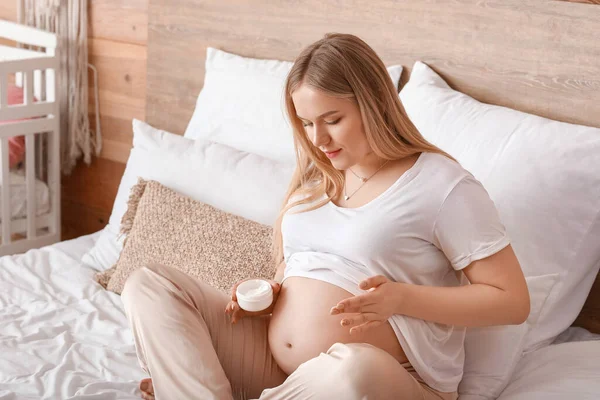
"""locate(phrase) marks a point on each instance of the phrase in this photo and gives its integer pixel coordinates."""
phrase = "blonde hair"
(344, 66)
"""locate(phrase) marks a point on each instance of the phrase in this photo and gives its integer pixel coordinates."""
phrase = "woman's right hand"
(236, 313)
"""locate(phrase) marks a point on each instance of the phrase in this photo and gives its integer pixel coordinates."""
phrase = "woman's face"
(334, 125)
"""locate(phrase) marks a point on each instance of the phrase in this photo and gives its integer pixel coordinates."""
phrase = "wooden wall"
(117, 38)
(118, 35)
(8, 10)
(117, 32)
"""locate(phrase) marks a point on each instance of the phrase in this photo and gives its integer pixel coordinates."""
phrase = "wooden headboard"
(541, 57)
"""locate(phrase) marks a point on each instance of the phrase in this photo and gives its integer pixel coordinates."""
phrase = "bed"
(62, 336)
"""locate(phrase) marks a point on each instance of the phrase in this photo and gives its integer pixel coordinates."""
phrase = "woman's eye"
(333, 122)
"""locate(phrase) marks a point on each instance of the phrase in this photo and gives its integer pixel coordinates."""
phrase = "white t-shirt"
(436, 218)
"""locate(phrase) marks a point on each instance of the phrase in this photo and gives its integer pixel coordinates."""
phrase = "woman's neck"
(368, 166)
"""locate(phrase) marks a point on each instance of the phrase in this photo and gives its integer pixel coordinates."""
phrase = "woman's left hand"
(373, 308)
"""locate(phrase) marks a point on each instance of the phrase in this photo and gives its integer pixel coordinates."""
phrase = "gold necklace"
(363, 180)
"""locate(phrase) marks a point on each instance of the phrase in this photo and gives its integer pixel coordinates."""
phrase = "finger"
(372, 282)
(234, 289)
(352, 304)
(232, 306)
(347, 310)
(276, 286)
(364, 327)
(229, 307)
(236, 314)
(359, 319)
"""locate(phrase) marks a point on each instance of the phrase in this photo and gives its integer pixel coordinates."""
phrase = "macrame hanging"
(68, 19)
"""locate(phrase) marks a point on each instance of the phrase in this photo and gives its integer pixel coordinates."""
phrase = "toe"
(146, 387)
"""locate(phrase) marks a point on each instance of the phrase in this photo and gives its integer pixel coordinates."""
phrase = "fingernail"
(144, 386)
(363, 285)
(340, 306)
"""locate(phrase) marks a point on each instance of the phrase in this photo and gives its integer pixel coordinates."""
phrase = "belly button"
(288, 345)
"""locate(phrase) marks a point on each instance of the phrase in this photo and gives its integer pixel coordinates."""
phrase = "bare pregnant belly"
(301, 326)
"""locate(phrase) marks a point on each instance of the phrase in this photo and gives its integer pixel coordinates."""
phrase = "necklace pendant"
(346, 197)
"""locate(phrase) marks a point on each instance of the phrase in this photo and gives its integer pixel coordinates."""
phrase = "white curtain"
(68, 19)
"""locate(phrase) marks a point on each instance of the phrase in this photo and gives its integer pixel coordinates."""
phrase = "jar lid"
(254, 290)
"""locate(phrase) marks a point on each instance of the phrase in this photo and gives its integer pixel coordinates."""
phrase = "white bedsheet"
(62, 336)
(565, 371)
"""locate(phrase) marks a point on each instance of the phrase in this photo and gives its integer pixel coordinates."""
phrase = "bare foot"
(147, 389)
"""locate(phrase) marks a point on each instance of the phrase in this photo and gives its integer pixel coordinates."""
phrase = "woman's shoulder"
(447, 178)
(442, 171)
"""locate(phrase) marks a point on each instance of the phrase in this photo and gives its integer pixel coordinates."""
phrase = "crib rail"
(36, 119)
(27, 34)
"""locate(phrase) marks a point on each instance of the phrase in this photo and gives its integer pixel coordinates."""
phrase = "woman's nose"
(320, 136)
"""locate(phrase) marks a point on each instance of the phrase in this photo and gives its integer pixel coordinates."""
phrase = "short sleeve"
(468, 227)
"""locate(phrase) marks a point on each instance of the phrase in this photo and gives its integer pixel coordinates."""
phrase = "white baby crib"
(30, 195)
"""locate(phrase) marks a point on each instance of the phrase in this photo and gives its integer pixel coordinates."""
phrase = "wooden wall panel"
(95, 185)
(590, 314)
(122, 75)
(117, 31)
(119, 20)
(88, 195)
(535, 56)
(584, 1)
(8, 10)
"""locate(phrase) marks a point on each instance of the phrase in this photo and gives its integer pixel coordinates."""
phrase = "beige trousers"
(187, 344)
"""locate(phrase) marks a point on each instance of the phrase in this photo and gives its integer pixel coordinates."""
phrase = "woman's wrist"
(399, 296)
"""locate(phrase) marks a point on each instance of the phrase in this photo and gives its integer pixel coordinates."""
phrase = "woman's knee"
(352, 354)
(366, 371)
(345, 371)
(139, 283)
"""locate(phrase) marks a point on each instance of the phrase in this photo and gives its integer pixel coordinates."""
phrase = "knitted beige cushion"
(162, 226)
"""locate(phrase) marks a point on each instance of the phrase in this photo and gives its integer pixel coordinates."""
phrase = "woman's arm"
(497, 295)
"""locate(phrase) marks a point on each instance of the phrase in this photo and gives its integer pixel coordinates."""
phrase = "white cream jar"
(254, 295)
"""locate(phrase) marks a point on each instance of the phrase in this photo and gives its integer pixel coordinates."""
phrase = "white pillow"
(543, 177)
(237, 182)
(242, 105)
(492, 353)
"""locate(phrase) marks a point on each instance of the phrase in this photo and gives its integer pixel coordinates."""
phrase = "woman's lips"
(333, 154)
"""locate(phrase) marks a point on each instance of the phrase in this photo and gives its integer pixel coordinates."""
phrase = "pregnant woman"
(387, 249)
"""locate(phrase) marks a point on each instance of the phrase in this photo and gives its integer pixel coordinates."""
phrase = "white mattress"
(64, 337)
(18, 196)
